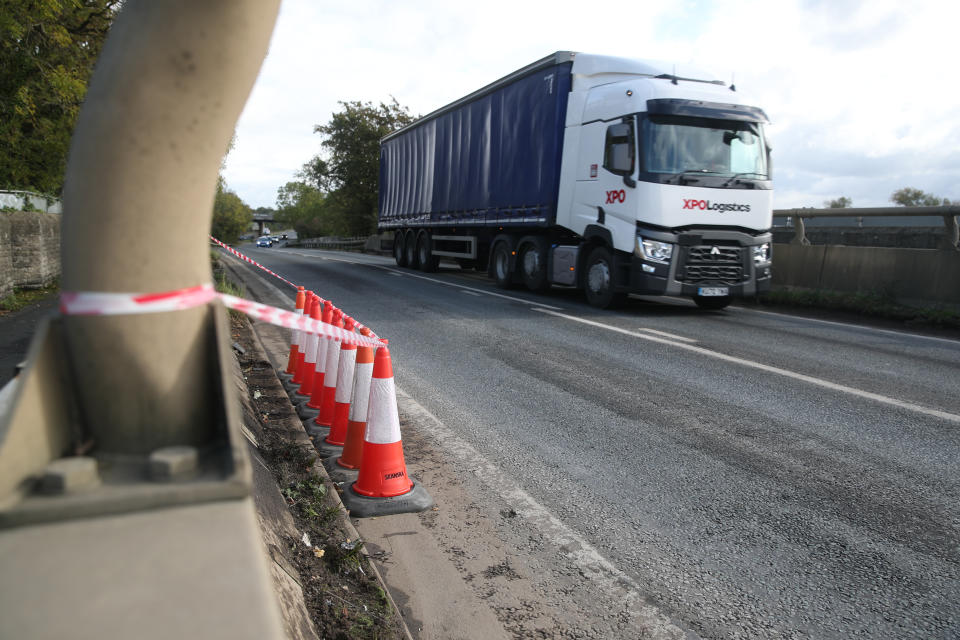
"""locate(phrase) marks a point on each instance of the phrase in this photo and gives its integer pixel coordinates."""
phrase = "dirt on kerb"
(341, 592)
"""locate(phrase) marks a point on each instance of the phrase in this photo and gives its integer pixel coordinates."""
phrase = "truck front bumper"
(702, 259)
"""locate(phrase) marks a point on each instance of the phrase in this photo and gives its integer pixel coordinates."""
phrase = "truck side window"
(619, 152)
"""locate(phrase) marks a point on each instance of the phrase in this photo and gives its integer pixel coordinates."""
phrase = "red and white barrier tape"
(359, 327)
(252, 261)
(108, 304)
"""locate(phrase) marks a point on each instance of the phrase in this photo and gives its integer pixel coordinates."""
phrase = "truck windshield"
(677, 145)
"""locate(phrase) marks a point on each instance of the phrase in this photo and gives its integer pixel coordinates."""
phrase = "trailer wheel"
(533, 264)
(500, 266)
(428, 261)
(410, 248)
(399, 252)
(712, 302)
(598, 280)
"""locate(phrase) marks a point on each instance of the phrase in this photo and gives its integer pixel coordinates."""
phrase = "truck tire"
(399, 250)
(712, 302)
(598, 280)
(500, 265)
(410, 248)
(532, 264)
(428, 261)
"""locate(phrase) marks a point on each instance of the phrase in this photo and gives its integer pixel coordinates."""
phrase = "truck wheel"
(533, 265)
(428, 262)
(410, 248)
(399, 252)
(500, 266)
(598, 280)
(712, 302)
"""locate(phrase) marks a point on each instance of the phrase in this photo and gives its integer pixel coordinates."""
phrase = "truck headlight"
(654, 251)
(761, 253)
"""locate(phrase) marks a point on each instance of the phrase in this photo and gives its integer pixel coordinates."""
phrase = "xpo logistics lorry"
(609, 174)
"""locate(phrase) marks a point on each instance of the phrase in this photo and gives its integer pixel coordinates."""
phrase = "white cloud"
(861, 94)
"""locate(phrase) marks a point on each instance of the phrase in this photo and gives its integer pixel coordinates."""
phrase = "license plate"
(713, 291)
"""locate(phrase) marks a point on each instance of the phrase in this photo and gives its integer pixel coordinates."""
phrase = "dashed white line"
(936, 413)
(666, 335)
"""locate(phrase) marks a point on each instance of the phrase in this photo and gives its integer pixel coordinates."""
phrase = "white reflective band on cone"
(348, 362)
(333, 358)
(310, 354)
(297, 333)
(322, 356)
(361, 392)
(383, 421)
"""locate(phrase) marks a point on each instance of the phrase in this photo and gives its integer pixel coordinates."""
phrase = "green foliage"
(47, 52)
(21, 298)
(910, 197)
(231, 216)
(350, 169)
(843, 202)
(304, 207)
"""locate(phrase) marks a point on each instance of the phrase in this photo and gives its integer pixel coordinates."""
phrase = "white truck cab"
(674, 174)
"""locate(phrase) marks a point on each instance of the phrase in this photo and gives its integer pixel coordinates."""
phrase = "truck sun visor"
(700, 109)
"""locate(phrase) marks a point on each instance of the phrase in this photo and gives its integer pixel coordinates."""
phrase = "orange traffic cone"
(330, 376)
(307, 309)
(308, 410)
(339, 403)
(294, 340)
(345, 467)
(309, 355)
(357, 420)
(382, 486)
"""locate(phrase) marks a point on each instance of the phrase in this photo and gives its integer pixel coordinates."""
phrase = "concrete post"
(951, 238)
(141, 178)
(800, 235)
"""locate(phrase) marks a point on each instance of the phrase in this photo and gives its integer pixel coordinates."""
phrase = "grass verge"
(21, 298)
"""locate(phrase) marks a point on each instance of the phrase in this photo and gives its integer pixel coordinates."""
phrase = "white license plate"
(713, 291)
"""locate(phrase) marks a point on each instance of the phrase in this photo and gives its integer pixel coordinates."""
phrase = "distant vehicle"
(612, 175)
(264, 241)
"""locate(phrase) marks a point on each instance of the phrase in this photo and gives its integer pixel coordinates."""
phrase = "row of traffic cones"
(346, 396)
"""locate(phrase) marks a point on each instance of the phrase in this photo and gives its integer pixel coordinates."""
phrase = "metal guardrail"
(333, 242)
(950, 214)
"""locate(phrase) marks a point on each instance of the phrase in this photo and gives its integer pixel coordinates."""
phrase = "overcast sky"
(863, 96)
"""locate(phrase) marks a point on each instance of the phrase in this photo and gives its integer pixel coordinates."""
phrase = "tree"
(843, 202)
(47, 52)
(231, 216)
(304, 207)
(349, 170)
(910, 197)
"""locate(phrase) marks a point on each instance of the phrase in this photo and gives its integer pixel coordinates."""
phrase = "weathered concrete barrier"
(29, 249)
(911, 276)
(6, 258)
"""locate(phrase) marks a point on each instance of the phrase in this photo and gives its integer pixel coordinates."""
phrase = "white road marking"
(616, 585)
(936, 413)
(900, 334)
(478, 291)
(470, 293)
(666, 335)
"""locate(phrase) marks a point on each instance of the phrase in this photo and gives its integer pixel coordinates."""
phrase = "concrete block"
(170, 464)
(68, 475)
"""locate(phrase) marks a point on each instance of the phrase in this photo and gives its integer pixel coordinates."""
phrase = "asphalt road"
(751, 474)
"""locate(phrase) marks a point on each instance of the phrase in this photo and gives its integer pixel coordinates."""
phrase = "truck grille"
(713, 264)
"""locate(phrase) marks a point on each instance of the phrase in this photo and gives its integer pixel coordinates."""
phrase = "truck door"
(616, 193)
